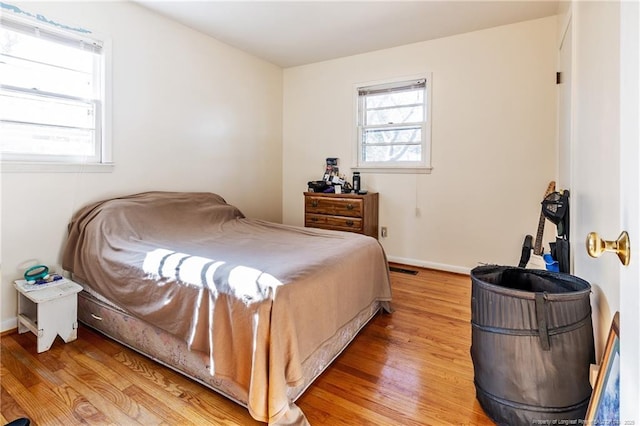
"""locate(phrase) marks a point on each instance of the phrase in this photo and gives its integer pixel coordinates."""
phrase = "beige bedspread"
(257, 297)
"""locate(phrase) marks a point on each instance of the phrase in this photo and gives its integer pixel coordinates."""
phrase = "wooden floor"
(408, 368)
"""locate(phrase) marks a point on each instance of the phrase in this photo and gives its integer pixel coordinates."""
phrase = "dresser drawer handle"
(349, 206)
(314, 219)
(349, 223)
(314, 203)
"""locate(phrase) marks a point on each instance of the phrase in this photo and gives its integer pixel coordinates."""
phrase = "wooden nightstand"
(49, 312)
(342, 212)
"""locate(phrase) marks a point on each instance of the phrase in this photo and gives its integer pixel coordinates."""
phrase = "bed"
(251, 309)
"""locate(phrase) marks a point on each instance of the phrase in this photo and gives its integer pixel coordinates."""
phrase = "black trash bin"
(531, 344)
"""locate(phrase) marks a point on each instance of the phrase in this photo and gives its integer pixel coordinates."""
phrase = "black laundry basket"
(531, 344)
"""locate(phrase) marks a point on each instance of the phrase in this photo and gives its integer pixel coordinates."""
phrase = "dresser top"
(333, 194)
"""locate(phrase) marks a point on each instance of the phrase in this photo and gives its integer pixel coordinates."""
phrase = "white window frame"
(422, 166)
(44, 163)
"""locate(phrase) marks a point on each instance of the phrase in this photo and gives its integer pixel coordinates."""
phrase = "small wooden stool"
(49, 311)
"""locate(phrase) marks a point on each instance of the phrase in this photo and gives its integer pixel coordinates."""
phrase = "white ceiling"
(290, 33)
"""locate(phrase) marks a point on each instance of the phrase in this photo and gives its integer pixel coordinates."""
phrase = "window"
(52, 94)
(394, 125)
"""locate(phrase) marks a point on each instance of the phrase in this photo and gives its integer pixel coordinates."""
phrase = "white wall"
(493, 132)
(189, 114)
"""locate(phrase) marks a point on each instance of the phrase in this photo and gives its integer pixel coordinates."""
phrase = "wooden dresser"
(342, 212)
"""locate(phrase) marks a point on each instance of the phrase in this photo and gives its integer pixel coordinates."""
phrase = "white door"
(604, 163)
(630, 211)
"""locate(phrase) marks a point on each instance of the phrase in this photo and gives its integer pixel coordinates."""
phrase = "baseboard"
(9, 325)
(430, 265)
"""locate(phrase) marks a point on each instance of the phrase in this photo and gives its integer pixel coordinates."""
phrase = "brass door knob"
(596, 246)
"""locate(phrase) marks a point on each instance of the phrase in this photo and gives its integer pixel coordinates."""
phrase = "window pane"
(397, 153)
(393, 135)
(47, 78)
(44, 140)
(25, 108)
(411, 114)
(36, 49)
(394, 124)
(51, 100)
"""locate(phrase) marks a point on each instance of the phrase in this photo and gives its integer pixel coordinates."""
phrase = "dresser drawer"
(351, 207)
(339, 223)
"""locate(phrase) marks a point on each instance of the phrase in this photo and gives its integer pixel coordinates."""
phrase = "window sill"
(36, 167)
(396, 170)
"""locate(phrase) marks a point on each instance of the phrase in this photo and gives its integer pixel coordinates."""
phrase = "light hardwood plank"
(48, 414)
(10, 409)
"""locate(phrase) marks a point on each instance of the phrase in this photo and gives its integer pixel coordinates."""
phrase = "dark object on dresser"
(318, 186)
